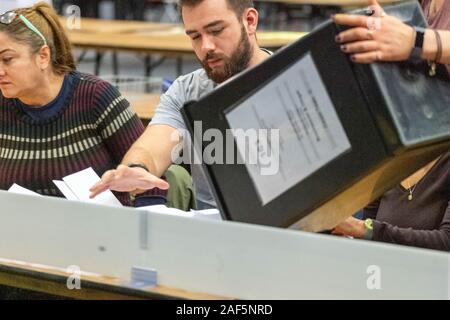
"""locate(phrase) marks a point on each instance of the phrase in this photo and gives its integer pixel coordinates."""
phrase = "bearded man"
(223, 36)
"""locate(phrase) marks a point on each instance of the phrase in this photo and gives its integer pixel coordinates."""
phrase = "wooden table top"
(168, 42)
(167, 39)
(51, 280)
(91, 25)
(144, 104)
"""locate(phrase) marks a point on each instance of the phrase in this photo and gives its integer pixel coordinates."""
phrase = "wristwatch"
(138, 165)
(368, 224)
(416, 53)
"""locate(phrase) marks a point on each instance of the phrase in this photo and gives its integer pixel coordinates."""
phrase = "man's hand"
(126, 179)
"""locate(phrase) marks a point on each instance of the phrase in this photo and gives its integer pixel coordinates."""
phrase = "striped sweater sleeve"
(116, 122)
(118, 125)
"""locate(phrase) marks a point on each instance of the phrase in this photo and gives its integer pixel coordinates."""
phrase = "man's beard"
(238, 61)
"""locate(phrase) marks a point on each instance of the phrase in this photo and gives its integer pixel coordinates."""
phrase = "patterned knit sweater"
(94, 128)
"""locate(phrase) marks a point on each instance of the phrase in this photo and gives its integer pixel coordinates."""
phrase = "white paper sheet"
(162, 209)
(15, 188)
(212, 214)
(80, 183)
(65, 190)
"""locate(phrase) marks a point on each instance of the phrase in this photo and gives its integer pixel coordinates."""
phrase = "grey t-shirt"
(188, 87)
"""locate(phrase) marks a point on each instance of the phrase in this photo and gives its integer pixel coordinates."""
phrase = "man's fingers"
(103, 184)
(336, 232)
(97, 189)
(108, 176)
(125, 179)
(161, 184)
(96, 186)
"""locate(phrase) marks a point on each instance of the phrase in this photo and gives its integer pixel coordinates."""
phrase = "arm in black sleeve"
(438, 239)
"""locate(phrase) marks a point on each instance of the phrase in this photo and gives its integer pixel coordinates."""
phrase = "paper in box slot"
(347, 133)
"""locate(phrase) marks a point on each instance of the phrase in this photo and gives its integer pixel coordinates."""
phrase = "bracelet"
(433, 65)
(138, 165)
(439, 47)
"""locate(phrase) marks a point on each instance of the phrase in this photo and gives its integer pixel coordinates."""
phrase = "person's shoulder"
(199, 73)
(193, 78)
(4, 102)
(96, 85)
(89, 78)
(441, 169)
(445, 159)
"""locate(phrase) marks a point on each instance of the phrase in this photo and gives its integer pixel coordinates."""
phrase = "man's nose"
(208, 44)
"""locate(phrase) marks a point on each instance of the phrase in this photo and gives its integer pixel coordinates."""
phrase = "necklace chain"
(424, 171)
(410, 196)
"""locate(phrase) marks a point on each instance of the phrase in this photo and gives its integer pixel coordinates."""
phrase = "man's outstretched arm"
(152, 150)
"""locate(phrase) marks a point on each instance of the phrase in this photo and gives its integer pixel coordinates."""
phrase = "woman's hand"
(351, 227)
(376, 38)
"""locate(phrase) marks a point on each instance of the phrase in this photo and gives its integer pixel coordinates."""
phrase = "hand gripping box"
(316, 137)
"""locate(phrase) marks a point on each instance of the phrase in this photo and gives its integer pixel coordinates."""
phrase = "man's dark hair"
(238, 6)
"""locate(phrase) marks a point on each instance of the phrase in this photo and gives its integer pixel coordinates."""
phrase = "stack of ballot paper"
(76, 187)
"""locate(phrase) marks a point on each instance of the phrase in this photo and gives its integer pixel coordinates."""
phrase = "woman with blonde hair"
(54, 120)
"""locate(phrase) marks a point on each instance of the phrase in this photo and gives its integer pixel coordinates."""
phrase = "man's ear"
(44, 58)
(250, 18)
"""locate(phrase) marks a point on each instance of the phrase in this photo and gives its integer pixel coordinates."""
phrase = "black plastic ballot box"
(315, 137)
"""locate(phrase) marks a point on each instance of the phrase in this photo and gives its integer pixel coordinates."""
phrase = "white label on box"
(310, 134)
